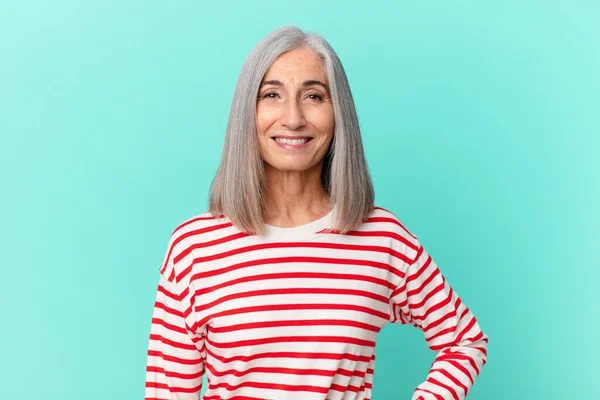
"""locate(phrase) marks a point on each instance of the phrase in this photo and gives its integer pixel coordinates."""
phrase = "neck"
(294, 197)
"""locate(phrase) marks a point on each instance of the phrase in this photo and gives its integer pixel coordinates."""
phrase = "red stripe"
(463, 357)
(390, 220)
(345, 389)
(417, 291)
(284, 245)
(290, 307)
(420, 252)
(173, 343)
(192, 220)
(467, 329)
(429, 295)
(210, 243)
(231, 398)
(288, 323)
(456, 365)
(179, 238)
(170, 295)
(451, 377)
(443, 332)
(157, 385)
(173, 389)
(285, 371)
(168, 326)
(284, 260)
(444, 386)
(285, 387)
(437, 396)
(295, 275)
(289, 339)
(397, 219)
(436, 307)
(287, 354)
(386, 234)
(292, 291)
(413, 276)
(439, 321)
(273, 386)
(168, 310)
(171, 374)
(177, 360)
(421, 269)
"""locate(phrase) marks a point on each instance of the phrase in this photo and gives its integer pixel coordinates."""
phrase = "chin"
(290, 166)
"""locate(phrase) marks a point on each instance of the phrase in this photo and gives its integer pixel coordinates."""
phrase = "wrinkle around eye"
(318, 97)
(267, 95)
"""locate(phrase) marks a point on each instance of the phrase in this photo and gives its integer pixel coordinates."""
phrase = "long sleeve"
(175, 354)
(425, 300)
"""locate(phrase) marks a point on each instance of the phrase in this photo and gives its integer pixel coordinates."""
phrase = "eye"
(315, 96)
(270, 95)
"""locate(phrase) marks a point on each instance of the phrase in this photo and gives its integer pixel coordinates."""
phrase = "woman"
(280, 290)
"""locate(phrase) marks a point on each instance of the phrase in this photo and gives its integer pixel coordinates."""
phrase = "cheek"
(326, 122)
(264, 118)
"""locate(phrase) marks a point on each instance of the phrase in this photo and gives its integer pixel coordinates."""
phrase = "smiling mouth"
(292, 142)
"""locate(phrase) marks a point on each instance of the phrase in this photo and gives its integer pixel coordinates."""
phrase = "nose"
(292, 115)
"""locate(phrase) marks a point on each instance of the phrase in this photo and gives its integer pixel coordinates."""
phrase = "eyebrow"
(305, 83)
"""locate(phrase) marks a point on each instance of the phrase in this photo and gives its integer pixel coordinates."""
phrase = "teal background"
(480, 122)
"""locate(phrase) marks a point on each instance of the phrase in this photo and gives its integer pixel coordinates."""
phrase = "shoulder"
(198, 223)
(390, 224)
(391, 221)
(188, 234)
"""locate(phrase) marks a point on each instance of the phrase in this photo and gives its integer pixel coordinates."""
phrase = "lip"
(292, 146)
(291, 137)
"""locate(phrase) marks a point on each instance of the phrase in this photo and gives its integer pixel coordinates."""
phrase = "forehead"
(301, 62)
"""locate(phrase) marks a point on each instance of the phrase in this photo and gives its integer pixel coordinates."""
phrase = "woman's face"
(294, 113)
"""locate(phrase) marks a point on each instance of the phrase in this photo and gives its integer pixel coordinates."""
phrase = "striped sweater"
(294, 313)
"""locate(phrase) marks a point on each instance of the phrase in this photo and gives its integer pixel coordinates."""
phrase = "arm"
(425, 299)
(175, 354)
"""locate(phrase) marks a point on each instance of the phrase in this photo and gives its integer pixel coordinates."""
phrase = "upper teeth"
(292, 141)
